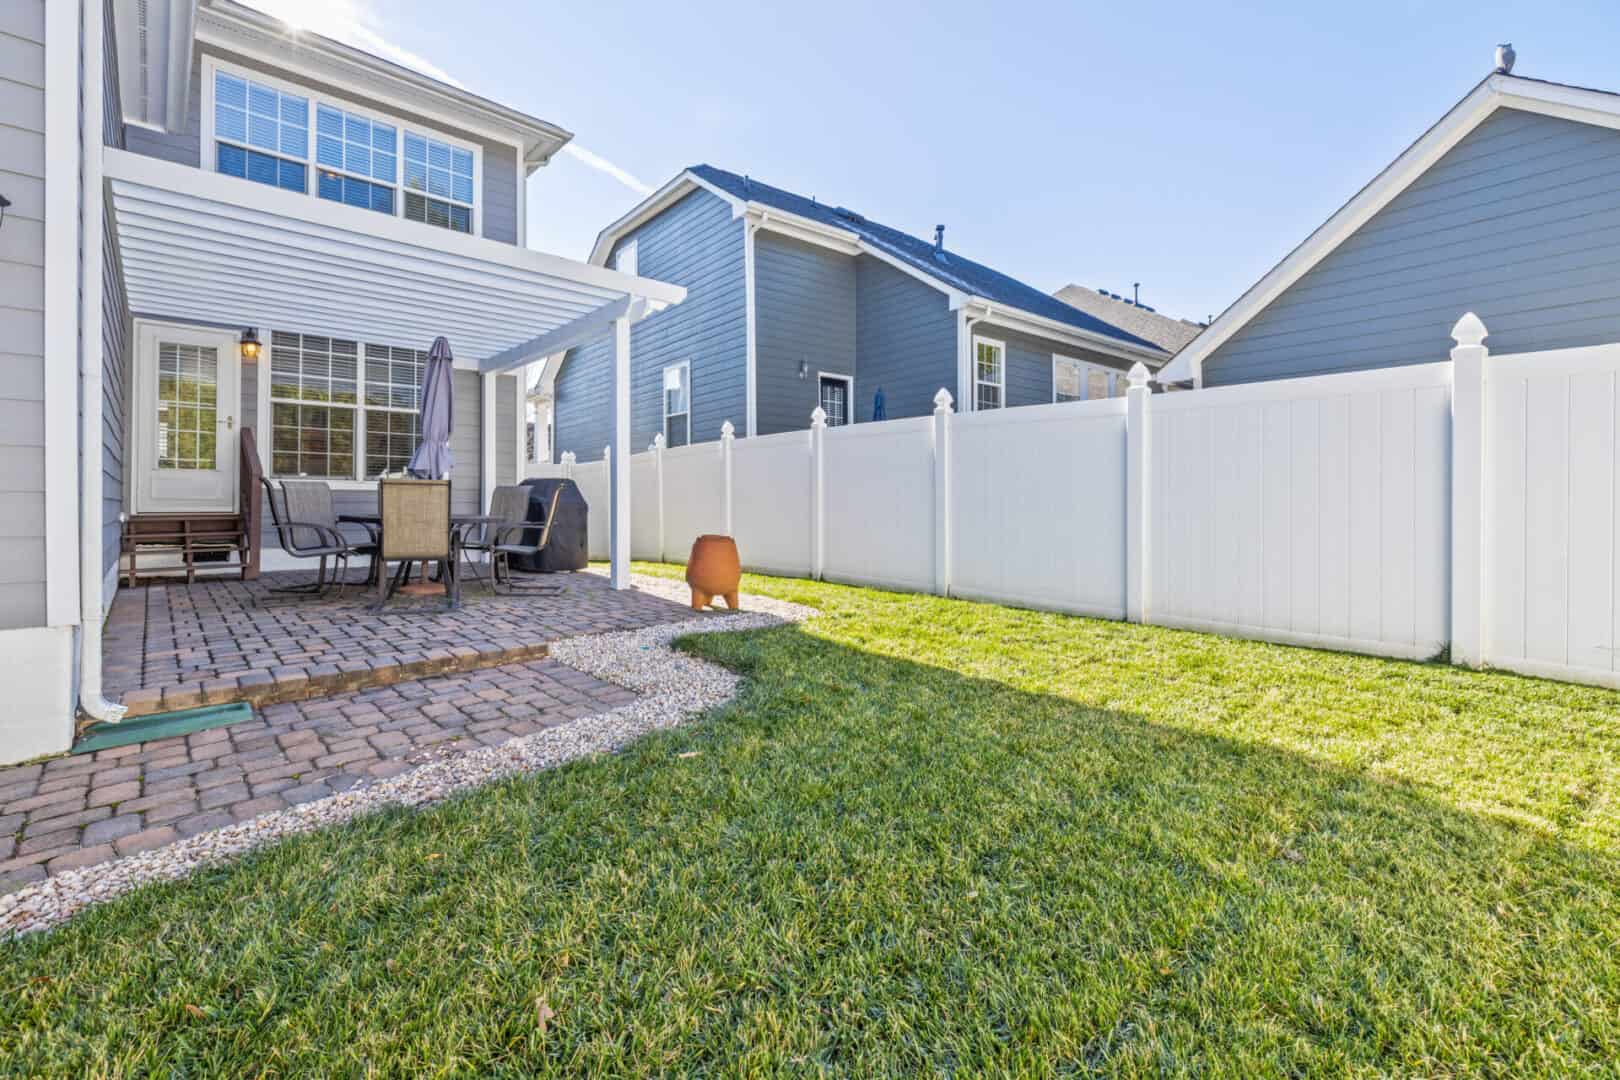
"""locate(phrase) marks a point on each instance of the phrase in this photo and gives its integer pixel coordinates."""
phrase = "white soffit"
(217, 249)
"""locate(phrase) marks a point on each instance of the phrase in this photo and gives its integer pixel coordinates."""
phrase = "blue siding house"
(793, 304)
(1508, 207)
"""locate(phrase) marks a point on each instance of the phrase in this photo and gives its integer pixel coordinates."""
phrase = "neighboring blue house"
(792, 304)
(1508, 207)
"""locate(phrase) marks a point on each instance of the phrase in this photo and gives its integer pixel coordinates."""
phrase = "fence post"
(1137, 401)
(728, 435)
(818, 492)
(942, 492)
(657, 449)
(1468, 491)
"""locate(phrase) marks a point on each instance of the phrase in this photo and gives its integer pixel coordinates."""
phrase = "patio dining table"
(459, 524)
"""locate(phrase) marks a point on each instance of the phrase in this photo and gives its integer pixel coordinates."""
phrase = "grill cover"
(568, 548)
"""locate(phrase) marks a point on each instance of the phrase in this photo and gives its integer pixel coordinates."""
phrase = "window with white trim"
(989, 374)
(626, 258)
(834, 399)
(356, 159)
(333, 417)
(438, 183)
(678, 404)
(274, 133)
(1079, 380)
(261, 133)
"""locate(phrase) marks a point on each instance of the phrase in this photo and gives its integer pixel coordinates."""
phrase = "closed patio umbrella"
(433, 460)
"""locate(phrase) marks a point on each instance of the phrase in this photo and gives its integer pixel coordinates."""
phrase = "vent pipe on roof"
(1136, 293)
(1504, 58)
(939, 238)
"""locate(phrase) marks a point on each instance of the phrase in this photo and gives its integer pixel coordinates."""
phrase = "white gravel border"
(674, 689)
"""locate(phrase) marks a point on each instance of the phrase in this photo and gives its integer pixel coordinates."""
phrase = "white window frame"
(1001, 347)
(849, 394)
(359, 481)
(208, 153)
(631, 249)
(1117, 380)
(663, 399)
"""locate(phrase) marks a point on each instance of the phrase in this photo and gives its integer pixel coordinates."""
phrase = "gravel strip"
(675, 688)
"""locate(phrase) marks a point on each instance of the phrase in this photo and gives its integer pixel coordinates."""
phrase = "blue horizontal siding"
(804, 303)
(906, 341)
(1519, 223)
(698, 244)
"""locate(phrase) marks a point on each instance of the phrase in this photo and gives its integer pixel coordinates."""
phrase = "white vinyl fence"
(1471, 504)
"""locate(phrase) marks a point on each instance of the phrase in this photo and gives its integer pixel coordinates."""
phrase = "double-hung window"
(262, 130)
(356, 159)
(989, 374)
(678, 404)
(438, 183)
(340, 410)
(1077, 380)
(261, 133)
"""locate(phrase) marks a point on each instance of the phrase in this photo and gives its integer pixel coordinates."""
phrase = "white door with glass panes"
(187, 393)
(834, 398)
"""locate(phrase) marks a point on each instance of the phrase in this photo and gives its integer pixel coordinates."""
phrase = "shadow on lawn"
(866, 864)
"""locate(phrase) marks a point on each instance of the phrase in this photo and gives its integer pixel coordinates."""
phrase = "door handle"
(230, 423)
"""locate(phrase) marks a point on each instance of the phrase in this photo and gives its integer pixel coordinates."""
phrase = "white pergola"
(216, 249)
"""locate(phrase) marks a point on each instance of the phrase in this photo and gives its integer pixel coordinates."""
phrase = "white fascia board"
(229, 25)
(1495, 92)
(642, 212)
(1017, 319)
(300, 213)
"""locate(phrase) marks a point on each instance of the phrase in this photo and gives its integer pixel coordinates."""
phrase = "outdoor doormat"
(161, 726)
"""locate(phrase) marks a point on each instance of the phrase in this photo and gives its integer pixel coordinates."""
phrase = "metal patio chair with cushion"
(306, 528)
(416, 528)
(507, 541)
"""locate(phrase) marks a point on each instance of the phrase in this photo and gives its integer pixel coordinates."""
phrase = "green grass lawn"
(929, 837)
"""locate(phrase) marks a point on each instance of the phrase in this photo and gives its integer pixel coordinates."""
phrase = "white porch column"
(1468, 491)
(486, 440)
(619, 460)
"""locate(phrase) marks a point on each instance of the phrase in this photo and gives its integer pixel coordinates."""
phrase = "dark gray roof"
(946, 266)
(1167, 333)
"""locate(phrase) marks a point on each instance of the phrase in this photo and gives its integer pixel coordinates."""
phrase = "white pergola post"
(619, 460)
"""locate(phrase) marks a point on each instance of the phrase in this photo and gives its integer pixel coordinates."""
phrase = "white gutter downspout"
(750, 325)
(92, 227)
(966, 398)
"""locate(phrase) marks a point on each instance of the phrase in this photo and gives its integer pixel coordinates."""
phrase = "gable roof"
(1497, 91)
(960, 277)
(1167, 333)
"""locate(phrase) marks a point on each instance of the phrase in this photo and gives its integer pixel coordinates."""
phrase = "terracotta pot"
(713, 571)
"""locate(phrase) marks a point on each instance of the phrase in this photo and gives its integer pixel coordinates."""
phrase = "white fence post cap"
(727, 431)
(818, 418)
(1469, 330)
(943, 400)
(657, 442)
(1139, 374)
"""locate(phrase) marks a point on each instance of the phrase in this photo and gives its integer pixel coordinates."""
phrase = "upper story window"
(262, 132)
(260, 129)
(438, 183)
(357, 159)
(625, 259)
(989, 374)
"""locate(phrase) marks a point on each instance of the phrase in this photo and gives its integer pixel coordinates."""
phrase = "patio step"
(268, 686)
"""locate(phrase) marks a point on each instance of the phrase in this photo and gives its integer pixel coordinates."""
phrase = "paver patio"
(77, 811)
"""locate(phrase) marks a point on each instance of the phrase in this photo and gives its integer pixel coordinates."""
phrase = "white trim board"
(1495, 92)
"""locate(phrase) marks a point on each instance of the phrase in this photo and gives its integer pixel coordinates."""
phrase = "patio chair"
(508, 505)
(306, 527)
(507, 541)
(416, 527)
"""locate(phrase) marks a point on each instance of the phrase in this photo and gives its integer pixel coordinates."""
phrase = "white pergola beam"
(582, 331)
(619, 460)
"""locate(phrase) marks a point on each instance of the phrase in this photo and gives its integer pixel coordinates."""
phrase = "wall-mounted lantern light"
(804, 369)
(4, 202)
(250, 345)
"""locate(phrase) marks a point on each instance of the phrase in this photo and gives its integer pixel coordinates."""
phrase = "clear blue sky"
(1183, 145)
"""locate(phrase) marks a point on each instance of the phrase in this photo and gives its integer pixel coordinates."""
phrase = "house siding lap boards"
(22, 316)
(698, 244)
(905, 344)
(1519, 223)
(805, 307)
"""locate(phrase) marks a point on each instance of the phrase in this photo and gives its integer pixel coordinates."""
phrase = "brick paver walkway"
(77, 811)
(364, 707)
(177, 646)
